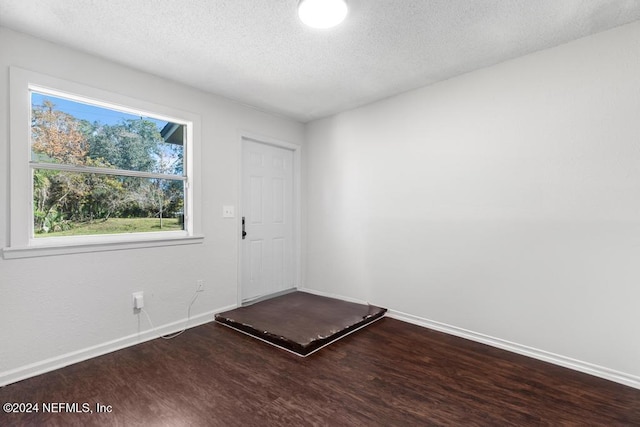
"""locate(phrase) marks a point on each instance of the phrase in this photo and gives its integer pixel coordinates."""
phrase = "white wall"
(58, 309)
(505, 202)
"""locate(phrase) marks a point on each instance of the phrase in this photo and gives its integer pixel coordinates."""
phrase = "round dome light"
(322, 13)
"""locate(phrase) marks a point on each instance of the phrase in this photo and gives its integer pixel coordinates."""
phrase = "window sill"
(58, 248)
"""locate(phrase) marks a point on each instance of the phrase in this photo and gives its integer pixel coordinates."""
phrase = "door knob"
(244, 233)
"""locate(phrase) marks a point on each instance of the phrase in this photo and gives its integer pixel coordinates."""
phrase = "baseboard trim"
(48, 365)
(556, 359)
(330, 295)
(58, 362)
(261, 298)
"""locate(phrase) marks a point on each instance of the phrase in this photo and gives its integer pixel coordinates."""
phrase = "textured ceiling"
(257, 52)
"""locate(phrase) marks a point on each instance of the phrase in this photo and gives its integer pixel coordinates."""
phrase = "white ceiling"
(257, 52)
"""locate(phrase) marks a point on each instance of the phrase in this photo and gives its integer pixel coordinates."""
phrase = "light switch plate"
(228, 212)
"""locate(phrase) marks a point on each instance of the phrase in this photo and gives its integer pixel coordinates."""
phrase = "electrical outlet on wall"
(138, 300)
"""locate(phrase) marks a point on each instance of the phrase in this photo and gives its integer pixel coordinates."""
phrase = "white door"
(267, 211)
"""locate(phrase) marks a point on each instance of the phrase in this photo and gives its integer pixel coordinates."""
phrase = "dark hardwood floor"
(390, 373)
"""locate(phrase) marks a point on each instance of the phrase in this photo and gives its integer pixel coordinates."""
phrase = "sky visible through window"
(90, 113)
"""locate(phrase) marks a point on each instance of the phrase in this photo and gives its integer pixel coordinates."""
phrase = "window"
(101, 169)
(97, 170)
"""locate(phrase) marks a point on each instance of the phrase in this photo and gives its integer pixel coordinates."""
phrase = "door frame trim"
(296, 203)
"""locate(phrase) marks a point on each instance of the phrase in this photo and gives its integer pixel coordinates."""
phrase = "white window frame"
(21, 240)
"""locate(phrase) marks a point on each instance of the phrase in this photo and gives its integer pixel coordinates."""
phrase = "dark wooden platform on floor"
(394, 374)
(301, 322)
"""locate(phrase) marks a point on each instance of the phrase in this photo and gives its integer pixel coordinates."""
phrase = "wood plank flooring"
(389, 374)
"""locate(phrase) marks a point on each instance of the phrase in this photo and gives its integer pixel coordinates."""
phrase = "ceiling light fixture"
(322, 13)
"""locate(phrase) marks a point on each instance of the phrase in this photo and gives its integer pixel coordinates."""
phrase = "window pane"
(71, 203)
(76, 133)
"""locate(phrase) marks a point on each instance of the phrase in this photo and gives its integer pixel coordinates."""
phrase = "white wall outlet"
(228, 211)
(138, 300)
(199, 285)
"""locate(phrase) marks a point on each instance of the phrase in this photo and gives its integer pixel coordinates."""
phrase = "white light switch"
(228, 212)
